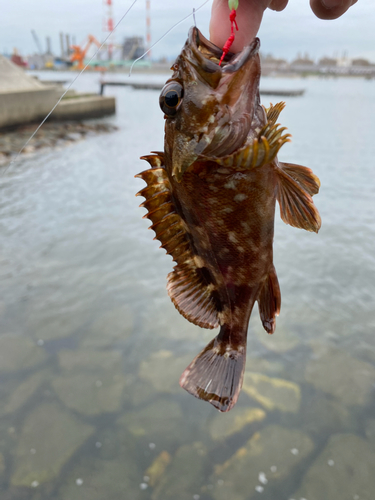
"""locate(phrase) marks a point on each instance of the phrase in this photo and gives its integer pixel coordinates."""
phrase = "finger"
(330, 9)
(249, 17)
(278, 5)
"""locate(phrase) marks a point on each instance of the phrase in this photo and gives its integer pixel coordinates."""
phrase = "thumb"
(249, 17)
(330, 9)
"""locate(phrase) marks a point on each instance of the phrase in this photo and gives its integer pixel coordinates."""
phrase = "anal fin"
(294, 188)
(269, 301)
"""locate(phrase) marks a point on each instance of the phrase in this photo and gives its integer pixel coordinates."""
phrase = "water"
(91, 348)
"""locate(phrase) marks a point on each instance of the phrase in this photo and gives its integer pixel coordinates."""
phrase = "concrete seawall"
(23, 99)
(17, 108)
(79, 108)
(26, 106)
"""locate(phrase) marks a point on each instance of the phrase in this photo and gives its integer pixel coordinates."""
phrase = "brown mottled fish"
(211, 198)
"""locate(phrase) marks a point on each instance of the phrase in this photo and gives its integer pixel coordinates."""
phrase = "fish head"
(210, 109)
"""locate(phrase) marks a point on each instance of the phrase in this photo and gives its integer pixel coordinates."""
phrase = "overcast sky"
(283, 34)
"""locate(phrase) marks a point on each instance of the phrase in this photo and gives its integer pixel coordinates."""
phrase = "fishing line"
(87, 64)
(195, 21)
(69, 87)
(166, 33)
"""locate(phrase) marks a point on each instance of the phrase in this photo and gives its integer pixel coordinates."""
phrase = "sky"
(283, 34)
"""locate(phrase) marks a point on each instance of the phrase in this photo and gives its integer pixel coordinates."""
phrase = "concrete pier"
(83, 107)
(23, 99)
(158, 86)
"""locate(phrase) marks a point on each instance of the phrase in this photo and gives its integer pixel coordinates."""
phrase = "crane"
(79, 53)
(37, 42)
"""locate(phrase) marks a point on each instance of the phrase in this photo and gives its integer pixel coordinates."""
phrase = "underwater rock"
(115, 443)
(184, 476)
(111, 327)
(321, 414)
(333, 371)
(262, 365)
(224, 425)
(139, 392)
(343, 471)
(272, 393)
(266, 459)
(157, 468)
(2, 466)
(49, 438)
(163, 370)
(87, 359)
(103, 480)
(19, 353)
(370, 431)
(283, 340)
(58, 316)
(161, 422)
(91, 393)
(167, 323)
(24, 392)
(15, 492)
(91, 382)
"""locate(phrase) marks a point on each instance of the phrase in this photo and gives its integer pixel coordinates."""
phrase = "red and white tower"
(148, 27)
(108, 25)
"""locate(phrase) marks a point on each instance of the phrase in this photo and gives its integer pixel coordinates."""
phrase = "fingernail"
(331, 4)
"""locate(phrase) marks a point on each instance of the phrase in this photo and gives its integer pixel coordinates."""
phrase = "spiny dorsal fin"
(188, 285)
(274, 111)
(270, 301)
(296, 205)
(156, 159)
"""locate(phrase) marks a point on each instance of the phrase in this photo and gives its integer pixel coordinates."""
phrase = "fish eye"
(170, 98)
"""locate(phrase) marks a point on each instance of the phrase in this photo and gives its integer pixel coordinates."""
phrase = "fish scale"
(211, 199)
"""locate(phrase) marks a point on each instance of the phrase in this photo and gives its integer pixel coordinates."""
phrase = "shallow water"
(91, 348)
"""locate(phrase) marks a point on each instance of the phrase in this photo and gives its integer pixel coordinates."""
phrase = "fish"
(211, 198)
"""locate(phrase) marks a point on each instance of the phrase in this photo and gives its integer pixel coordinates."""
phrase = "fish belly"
(230, 218)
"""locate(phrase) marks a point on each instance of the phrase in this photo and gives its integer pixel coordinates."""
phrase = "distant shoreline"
(286, 70)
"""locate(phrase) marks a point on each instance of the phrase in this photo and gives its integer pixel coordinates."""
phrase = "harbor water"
(91, 347)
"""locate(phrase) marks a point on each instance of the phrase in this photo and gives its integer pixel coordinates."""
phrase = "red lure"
(228, 43)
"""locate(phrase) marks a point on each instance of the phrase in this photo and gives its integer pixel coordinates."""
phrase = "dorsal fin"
(188, 284)
(274, 111)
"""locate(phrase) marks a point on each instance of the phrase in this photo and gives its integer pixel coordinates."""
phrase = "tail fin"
(216, 374)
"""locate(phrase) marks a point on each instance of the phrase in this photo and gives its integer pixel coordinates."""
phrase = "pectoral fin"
(295, 185)
(269, 302)
(304, 176)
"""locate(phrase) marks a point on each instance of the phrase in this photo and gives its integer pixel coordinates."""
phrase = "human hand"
(250, 13)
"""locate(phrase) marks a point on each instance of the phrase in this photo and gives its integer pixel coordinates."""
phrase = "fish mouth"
(208, 55)
(235, 84)
(222, 100)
